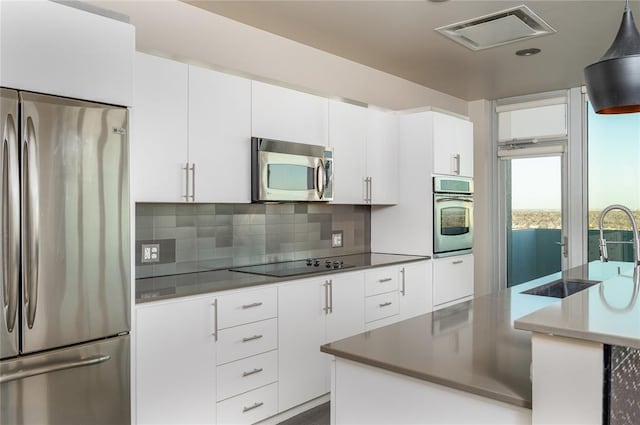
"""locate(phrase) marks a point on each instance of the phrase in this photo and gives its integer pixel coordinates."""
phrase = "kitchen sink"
(561, 288)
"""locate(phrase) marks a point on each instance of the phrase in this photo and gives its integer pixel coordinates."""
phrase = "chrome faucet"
(604, 257)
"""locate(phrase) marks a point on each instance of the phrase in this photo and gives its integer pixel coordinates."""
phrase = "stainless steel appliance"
(285, 171)
(294, 268)
(64, 214)
(452, 215)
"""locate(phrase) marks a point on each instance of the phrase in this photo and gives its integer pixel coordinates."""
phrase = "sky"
(613, 166)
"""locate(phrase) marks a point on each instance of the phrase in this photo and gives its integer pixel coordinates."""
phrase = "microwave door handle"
(320, 182)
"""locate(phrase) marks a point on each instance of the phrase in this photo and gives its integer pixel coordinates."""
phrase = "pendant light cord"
(626, 5)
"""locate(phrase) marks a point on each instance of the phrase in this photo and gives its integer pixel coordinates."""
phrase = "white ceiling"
(398, 37)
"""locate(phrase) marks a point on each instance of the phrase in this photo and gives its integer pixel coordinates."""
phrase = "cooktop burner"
(294, 268)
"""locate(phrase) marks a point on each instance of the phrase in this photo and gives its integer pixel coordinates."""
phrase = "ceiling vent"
(506, 26)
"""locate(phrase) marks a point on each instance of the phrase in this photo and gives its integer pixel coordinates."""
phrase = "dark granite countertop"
(472, 346)
(182, 285)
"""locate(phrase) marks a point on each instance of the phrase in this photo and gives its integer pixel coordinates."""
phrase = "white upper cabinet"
(284, 114)
(191, 133)
(220, 136)
(365, 143)
(51, 48)
(382, 157)
(348, 138)
(452, 145)
(159, 129)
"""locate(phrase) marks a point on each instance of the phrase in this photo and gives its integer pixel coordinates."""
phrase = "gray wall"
(197, 237)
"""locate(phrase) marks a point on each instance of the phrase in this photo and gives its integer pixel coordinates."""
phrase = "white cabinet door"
(348, 137)
(220, 136)
(416, 289)
(303, 369)
(346, 317)
(452, 145)
(175, 362)
(452, 278)
(289, 115)
(382, 156)
(52, 48)
(159, 136)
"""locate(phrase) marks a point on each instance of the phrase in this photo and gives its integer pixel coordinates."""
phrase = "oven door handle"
(461, 199)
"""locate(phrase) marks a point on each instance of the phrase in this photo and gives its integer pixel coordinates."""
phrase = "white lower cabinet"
(250, 407)
(312, 312)
(416, 289)
(452, 279)
(247, 374)
(247, 340)
(246, 355)
(176, 362)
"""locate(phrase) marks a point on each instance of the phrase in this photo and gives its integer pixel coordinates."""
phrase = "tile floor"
(319, 415)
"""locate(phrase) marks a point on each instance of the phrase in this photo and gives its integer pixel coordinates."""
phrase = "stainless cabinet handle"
(193, 182)
(252, 305)
(331, 296)
(326, 297)
(403, 289)
(370, 188)
(253, 372)
(52, 367)
(215, 319)
(387, 279)
(30, 217)
(388, 303)
(186, 182)
(10, 222)
(457, 262)
(252, 338)
(255, 406)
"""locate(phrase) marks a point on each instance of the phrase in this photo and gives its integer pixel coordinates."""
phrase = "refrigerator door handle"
(30, 218)
(53, 367)
(10, 222)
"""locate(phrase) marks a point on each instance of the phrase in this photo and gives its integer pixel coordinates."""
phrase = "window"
(614, 178)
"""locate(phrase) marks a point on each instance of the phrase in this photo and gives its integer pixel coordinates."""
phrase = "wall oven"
(286, 171)
(452, 216)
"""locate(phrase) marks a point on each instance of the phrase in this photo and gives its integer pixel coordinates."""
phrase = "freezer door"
(85, 384)
(9, 224)
(75, 221)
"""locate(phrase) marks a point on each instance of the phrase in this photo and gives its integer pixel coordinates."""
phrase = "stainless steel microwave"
(286, 171)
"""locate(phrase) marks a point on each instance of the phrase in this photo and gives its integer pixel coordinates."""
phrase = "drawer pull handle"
(253, 372)
(388, 303)
(458, 262)
(255, 406)
(251, 338)
(246, 306)
(385, 280)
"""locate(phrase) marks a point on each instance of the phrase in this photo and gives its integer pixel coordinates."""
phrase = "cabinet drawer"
(249, 408)
(247, 374)
(247, 340)
(381, 281)
(380, 306)
(452, 278)
(246, 307)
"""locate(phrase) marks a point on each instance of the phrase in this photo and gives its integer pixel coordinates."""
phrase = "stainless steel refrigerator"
(65, 272)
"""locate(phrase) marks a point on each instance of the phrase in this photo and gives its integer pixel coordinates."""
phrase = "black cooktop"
(294, 268)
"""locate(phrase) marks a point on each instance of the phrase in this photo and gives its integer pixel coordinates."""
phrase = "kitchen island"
(463, 364)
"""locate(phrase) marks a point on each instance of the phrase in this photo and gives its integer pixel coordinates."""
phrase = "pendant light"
(613, 83)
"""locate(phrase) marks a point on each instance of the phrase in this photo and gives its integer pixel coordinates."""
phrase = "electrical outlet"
(336, 239)
(150, 253)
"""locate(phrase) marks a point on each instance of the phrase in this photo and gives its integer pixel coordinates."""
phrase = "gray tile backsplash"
(199, 237)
